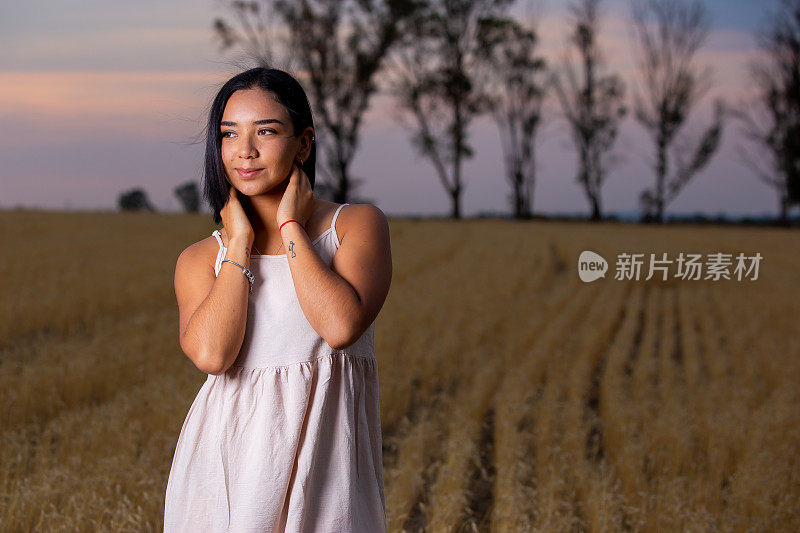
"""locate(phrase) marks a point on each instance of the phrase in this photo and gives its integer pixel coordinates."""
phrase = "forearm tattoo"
(291, 248)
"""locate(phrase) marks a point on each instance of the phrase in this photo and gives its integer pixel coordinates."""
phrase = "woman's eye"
(260, 132)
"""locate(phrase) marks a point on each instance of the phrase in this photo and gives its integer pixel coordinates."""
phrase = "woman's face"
(257, 136)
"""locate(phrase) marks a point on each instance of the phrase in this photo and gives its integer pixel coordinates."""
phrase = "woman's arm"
(342, 301)
(213, 311)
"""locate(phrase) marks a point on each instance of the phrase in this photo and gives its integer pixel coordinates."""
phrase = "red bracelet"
(291, 220)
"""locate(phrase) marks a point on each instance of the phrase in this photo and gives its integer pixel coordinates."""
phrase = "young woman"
(284, 435)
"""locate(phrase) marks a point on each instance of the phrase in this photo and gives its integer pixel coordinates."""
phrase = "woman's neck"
(262, 210)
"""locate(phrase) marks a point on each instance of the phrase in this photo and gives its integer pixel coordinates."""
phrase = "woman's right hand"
(235, 220)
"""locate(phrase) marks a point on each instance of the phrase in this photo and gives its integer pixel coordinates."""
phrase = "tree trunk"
(455, 195)
(595, 207)
(661, 175)
(784, 210)
(519, 200)
(342, 191)
(456, 191)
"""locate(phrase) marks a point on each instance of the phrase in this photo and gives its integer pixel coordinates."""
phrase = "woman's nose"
(247, 148)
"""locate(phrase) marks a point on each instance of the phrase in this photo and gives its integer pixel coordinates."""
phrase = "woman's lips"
(247, 174)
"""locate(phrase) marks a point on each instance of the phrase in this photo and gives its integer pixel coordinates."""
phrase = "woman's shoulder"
(203, 251)
(362, 219)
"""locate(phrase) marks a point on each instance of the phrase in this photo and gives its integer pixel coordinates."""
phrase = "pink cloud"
(80, 94)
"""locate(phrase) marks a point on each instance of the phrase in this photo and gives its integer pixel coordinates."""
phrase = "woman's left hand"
(298, 198)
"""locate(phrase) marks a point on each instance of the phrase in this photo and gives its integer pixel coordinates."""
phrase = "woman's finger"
(302, 178)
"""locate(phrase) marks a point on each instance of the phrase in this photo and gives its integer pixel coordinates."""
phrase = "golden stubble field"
(514, 397)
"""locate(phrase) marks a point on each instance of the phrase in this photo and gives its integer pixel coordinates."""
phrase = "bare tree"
(189, 196)
(771, 124)
(669, 34)
(433, 78)
(259, 32)
(339, 47)
(517, 84)
(592, 102)
(134, 200)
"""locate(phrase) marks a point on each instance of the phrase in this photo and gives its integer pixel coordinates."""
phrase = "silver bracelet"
(250, 277)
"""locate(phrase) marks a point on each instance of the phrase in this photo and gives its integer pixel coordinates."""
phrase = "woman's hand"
(235, 220)
(298, 198)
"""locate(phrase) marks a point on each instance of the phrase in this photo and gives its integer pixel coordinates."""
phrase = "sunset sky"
(97, 97)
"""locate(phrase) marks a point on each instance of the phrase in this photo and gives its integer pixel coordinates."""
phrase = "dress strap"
(218, 236)
(333, 224)
(220, 253)
(335, 216)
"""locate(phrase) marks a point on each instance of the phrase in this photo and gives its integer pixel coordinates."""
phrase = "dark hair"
(288, 92)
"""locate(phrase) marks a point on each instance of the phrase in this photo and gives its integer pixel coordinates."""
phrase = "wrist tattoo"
(291, 248)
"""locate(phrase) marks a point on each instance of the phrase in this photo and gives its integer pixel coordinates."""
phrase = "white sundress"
(289, 438)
